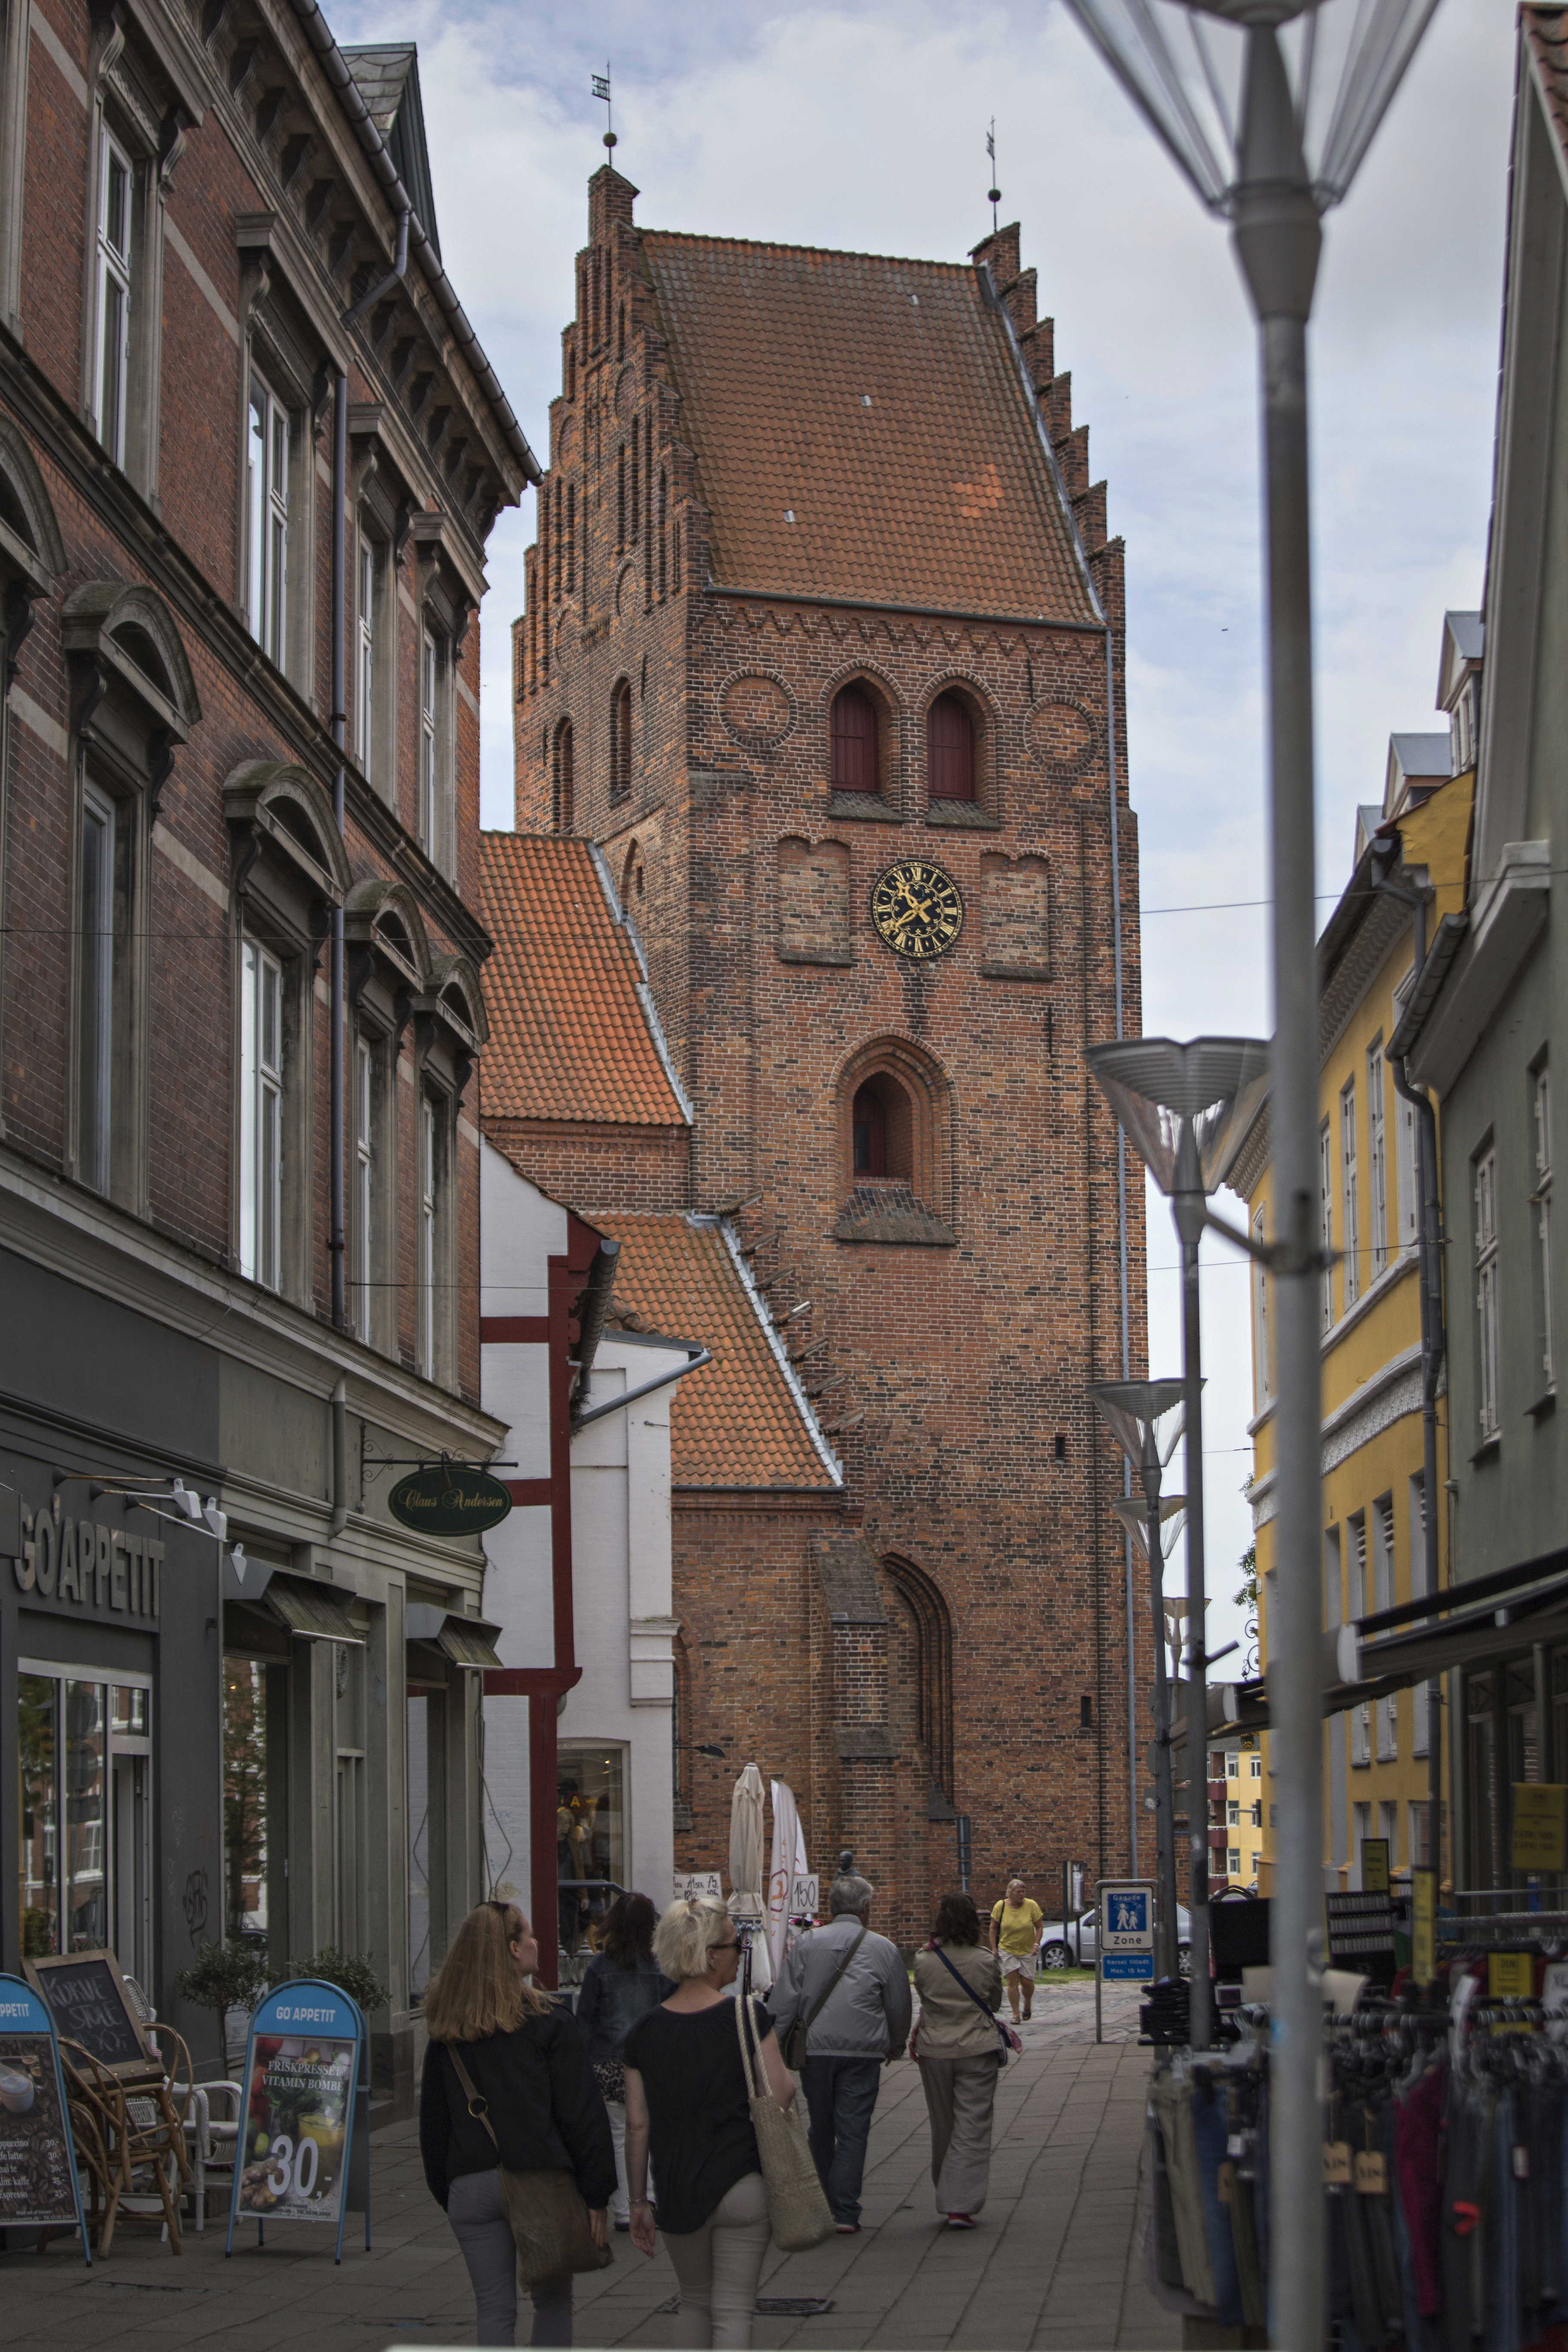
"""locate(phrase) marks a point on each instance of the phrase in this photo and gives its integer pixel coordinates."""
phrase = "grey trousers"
(717, 2268)
(960, 2095)
(477, 2210)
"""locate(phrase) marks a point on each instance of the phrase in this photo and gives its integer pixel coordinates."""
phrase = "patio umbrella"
(788, 1865)
(746, 1871)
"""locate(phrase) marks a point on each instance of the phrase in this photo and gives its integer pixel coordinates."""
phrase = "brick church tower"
(822, 647)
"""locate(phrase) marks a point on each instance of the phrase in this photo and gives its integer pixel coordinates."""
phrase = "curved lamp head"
(1244, 92)
(1142, 1414)
(1185, 1108)
(1135, 1517)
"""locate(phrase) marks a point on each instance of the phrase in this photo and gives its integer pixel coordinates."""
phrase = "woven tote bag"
(798, 2209)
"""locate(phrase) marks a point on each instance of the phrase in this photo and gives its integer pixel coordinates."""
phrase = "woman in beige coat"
(959, 2051)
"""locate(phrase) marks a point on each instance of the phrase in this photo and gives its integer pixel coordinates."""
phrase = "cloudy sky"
(863, 126)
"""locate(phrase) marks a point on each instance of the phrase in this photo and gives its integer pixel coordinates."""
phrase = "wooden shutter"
(950, 749)
(853, 729)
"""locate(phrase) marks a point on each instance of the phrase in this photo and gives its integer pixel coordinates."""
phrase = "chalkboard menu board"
(89, 2002)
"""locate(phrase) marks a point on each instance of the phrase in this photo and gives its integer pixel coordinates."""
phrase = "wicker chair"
(139, 2128)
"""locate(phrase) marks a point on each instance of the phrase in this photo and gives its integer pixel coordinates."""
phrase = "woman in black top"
(621, 1983)
(686, 2093)
(527, 2059)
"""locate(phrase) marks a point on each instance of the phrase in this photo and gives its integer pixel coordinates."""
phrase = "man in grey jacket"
(863, 2019)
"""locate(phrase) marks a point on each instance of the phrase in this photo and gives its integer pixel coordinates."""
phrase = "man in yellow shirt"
(1015, 1937)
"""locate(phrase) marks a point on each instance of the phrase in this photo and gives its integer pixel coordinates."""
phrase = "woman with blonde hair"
(528, 2064)
(686, 2096)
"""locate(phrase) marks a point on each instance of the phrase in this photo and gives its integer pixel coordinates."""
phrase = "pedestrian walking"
(687, 2102)
(1015, 1924)
(845, 1995)
(621, 1983)
(959, 2050)
(526, 2061)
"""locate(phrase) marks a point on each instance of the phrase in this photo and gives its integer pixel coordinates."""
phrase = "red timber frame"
(545, 1686)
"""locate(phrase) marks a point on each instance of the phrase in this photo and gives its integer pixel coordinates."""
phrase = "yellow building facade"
(1376, 1757)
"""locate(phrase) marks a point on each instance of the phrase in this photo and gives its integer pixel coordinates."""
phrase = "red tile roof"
(738, 1422)
(878, 403)
(570, 1037)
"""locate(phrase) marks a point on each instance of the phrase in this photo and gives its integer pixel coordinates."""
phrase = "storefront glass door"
(86, 1848)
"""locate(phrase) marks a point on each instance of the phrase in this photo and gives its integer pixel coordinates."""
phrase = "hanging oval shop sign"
(449, 1499)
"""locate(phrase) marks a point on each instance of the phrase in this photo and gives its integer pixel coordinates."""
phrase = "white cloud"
(863, 126)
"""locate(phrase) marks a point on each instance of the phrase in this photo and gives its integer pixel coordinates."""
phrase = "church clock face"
(917, 909)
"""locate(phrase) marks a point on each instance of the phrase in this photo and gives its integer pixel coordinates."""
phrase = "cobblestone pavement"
(1056, 2261)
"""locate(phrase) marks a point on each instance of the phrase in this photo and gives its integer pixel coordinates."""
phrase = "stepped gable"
(882, 405)
(739, 1422)
(570, 1037)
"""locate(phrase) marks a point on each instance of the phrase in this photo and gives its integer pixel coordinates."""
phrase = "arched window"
(950, 749)
(926, 1606)
(853, 732)
(621, 741)
(883, 1130)
(561, 779)
(634, 880)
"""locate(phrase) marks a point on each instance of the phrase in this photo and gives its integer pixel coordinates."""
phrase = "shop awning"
(314, 1612)
(1468, 1624)
(466, 1640)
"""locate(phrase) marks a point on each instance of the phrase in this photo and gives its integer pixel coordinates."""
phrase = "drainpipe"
(1429, 1245)
(340, 1518)
(594, 1309)
(338, 1243)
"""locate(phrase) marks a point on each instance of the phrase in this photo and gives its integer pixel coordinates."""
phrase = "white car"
(1061, 1947)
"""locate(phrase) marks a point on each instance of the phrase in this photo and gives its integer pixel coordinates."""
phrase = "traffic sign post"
(1124, 1940)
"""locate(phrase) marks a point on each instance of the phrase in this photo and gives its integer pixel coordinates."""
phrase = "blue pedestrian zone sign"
(1127, 1934)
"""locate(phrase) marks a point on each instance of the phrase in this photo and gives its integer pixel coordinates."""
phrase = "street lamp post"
(1184, 1108)
(1145, 1418)
(1268, 106)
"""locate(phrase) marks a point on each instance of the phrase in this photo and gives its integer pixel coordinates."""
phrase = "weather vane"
(994, 195)
(602, 89)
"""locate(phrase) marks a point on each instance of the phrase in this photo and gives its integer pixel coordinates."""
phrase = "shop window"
(855, 741)
(421, 1965)
(245, 1791)
(950, 749)
(84, 1859)
(589, 1846)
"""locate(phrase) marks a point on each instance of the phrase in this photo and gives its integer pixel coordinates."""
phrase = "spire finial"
(602, 89)
(993, 194)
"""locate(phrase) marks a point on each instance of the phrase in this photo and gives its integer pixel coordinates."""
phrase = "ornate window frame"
(133, 703)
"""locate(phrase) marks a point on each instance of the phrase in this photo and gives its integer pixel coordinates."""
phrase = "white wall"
(621, 1578)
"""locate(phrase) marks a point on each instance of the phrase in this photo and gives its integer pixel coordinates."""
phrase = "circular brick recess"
(757, 711)
(1065, 735)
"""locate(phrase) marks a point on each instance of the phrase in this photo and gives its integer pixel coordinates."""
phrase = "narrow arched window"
(870, 1132)
(621, 741)
(561, 779)
(950, 749)
(853, 735)
(634, 503)
(621, 496)
(571, 537)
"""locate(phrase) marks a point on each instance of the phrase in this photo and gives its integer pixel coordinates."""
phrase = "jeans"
(477, 2210)
(840, 2094)
(718, 2266)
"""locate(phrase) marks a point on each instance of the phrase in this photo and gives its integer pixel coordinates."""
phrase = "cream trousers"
(717, 2268)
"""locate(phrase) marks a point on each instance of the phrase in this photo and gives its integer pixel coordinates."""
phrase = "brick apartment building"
(821, 649)
(212, 449)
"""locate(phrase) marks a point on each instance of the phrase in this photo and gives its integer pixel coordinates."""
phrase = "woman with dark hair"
(620, 1984)
(959, 2050)
(530, 2074)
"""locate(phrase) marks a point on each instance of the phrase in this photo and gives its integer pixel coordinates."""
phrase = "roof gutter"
(336, 67)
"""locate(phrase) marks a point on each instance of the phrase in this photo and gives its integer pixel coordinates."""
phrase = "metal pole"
(1278, 242)
(1168, 1962)
(1189, 1211)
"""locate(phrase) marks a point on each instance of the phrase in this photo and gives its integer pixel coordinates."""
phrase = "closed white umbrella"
(788, 1865)
(746, 1908)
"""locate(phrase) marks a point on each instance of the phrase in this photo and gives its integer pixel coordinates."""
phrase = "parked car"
(1062, 1946)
